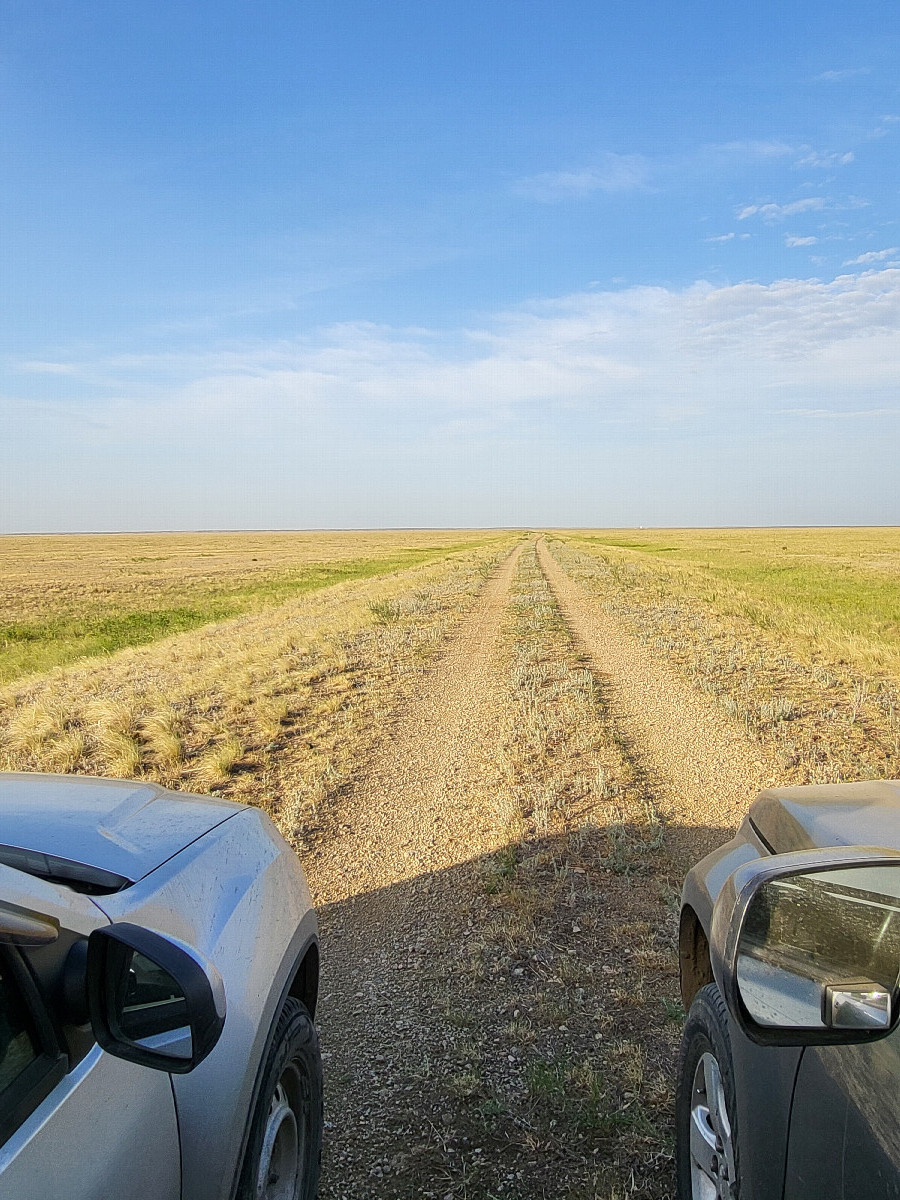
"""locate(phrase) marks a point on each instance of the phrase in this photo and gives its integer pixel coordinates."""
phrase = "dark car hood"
(118, 827)
(834, 814)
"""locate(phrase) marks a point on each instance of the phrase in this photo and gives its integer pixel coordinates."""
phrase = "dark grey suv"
(789, 1073)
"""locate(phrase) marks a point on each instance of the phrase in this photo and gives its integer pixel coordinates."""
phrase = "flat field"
(831, 591)
(496, 754)
(65, 597)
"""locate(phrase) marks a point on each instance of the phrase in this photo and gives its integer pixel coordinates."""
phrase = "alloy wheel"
(712, 1146)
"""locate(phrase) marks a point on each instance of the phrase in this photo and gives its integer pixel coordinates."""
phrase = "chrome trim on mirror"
(727, 922)
(857, 1006)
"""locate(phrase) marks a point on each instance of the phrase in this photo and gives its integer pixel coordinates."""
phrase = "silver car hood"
(116, 826)
(829, 814)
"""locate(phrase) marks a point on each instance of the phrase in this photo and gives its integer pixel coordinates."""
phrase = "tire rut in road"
(385, 889)
(702, 769)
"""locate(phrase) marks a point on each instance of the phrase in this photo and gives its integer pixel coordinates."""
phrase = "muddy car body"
(814, 1111)
(201, 879)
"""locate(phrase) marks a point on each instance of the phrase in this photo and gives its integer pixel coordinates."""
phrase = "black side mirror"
(806, 946)
(150, 1000)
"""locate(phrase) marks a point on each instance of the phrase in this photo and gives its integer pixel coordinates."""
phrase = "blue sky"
(317, 264)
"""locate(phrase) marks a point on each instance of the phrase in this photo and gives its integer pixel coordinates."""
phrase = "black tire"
(706, 1034)
(292, 1080)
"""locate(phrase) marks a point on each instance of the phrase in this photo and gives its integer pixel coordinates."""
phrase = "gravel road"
(384, 893)
(388, 882)
(702, 767)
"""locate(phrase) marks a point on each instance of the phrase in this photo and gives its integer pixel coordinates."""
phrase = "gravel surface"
(385, 890)
(397, 886)
(702, 767)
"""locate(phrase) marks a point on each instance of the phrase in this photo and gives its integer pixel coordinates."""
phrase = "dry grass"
(566, 981)
(63, 598)
(824, 592)
(787, 665)
(274, 708)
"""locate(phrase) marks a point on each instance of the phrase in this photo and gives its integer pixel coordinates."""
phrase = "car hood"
(833, 814)
(119, 828)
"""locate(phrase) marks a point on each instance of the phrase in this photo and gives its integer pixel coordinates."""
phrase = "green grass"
(842, 581)
(27, 647)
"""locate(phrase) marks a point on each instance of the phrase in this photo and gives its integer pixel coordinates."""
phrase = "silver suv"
(158, 977)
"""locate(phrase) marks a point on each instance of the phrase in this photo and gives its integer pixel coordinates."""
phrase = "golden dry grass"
(831, 592)
(63, 598)
(806, 657)
(272, 707)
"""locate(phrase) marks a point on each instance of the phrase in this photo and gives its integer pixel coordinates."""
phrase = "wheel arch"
(694, 961)
(304, 984)
(301, 982)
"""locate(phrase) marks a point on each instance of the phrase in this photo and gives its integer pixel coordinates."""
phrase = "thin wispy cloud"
(721, 237)
(756, 148)
(39, 367)
(873, 256)
(777, 212)
(799, 241)
(840, 75)
(817, 158)
(884, 127)
(600, 379)
(616, 173)
(623, 354)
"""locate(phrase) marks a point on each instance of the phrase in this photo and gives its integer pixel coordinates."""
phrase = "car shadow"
(508, 1026)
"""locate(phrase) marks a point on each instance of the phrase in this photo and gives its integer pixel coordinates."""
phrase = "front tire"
(285, 1145)
(706, 1147)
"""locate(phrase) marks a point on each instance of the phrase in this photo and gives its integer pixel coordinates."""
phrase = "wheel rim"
(284, 1141)
(712, 1145)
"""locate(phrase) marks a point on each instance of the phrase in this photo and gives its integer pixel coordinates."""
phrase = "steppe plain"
(496, 753)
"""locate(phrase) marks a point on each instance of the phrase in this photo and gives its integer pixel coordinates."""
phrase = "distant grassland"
(64, 598)
(835, 591)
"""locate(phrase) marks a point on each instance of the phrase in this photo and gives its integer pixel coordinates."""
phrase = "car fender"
(240, 897)
(764, 1076)
(291, 966)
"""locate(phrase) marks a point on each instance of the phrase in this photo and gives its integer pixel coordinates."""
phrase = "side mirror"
(152, 1001)
(806, 946)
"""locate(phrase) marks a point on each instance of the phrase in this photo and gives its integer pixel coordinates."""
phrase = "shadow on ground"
(507, 1027)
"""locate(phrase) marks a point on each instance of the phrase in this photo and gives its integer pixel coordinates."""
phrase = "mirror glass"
(822, 950)
(151, 1009)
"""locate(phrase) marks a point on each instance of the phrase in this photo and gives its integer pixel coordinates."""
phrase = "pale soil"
(431, 1087)
(383, 888)
(407, 812)
(702, 767)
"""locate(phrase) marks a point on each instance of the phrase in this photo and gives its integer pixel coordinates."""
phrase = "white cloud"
(681, 400)
(872, 256)
(39, 367)
(816, 158)
(839, 76)
(616, 173)
(722, 237)
(777, 212)
(800, 241)
(887, 123)
(636, 355)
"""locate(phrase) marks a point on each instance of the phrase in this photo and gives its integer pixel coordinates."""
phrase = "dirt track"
(417, 811)
(702, 768)
(393, 885)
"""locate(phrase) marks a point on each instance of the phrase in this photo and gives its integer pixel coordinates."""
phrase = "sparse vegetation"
(796, 633)
(220, 707)
(544, 959)
(569, 968)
